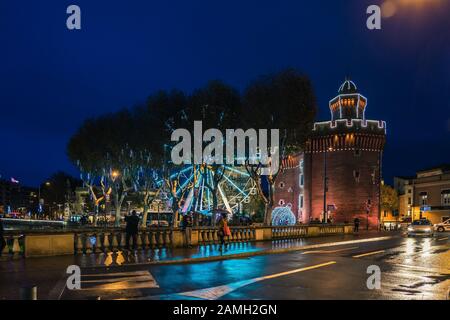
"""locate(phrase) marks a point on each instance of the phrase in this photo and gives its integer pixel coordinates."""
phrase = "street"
(411, 268)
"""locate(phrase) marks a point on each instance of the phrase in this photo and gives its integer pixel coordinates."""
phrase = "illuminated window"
(445, 197)
(356, 175)
(423, 198)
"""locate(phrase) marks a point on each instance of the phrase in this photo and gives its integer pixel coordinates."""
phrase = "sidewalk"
(46, 272)
(212, 252)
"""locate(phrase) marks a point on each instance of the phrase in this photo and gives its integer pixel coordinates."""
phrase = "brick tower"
(342, 163)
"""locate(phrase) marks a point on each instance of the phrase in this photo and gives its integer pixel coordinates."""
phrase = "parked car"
(443, 226)
(421, 227)
(405, 222)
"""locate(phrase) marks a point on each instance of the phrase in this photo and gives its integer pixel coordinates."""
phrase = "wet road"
(411, 268)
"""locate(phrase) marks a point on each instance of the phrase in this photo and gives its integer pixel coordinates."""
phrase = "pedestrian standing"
(356, 225)
(132, 229)
(2, 239)
(186, 225)
(224, 231)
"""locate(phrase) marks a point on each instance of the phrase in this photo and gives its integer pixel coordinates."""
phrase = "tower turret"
(349, 103)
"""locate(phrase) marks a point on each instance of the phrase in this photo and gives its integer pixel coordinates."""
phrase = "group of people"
(224, 230)
(132, 229)
(133, 220)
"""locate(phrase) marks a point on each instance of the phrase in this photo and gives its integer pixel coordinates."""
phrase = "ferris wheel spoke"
(199, 196)
(237, 171)
(181, 188)
(188, 203)
(180, 172)
(224, 198)
(234, 185)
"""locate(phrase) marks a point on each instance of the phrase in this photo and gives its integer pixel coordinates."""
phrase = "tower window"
(281, 202)
(301, 179)
(300, 201)
(445, 197)
(281, 185)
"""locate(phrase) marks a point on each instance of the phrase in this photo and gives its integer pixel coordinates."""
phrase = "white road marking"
(417, 268)
(368, 254)
(121, 281)
(341, 243)
(117, 274)
(214, 293)
(442, 239)
(329, 251)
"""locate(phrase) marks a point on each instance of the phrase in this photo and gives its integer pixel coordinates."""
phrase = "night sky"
(51, 78)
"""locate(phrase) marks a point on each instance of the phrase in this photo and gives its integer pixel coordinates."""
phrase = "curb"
(244, 254)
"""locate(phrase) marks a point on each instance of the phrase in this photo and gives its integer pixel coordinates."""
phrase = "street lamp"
(46, 184)
(325, 185)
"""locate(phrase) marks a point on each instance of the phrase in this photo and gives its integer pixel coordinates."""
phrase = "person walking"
(2, 239)
(356, 225)
(186, 225)
(131, 229)
(224, 231)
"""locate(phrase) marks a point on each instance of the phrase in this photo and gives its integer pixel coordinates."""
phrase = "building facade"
(17, 198)
(338, 176)
(289, 189)
(426, 195)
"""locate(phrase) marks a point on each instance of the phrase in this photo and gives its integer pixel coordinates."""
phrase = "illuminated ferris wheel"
(234, 191)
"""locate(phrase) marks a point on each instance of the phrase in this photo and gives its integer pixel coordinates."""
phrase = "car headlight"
(410, 229)
(428, 230)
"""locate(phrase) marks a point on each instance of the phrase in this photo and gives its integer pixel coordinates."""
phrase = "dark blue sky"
(52, 78)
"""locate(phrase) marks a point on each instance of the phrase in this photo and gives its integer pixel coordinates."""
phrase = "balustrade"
(113, 240)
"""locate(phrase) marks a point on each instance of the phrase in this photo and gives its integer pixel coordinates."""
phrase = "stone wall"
(353, 179)
(35, 244)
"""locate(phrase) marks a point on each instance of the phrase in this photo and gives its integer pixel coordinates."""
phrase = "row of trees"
(129, 150)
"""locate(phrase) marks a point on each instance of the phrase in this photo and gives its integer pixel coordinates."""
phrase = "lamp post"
(39, 191)
(325, 185)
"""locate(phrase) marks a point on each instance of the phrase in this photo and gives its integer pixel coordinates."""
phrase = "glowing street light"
(115, 174)
(390, 7)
